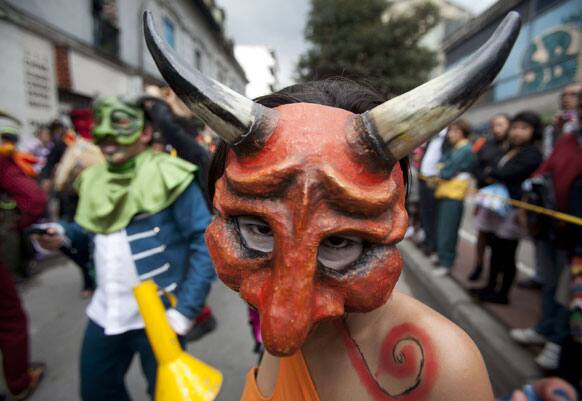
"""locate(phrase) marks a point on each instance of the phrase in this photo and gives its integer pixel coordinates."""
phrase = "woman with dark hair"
(486, 157)
(454, 168)
(516, 165)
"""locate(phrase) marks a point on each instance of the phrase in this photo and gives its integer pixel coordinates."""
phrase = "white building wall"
(131, 42)
(192, 33)
(27, 78)
(70, 16)
(90, 75)
(93, 79)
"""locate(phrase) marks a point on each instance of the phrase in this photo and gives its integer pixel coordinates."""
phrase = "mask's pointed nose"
(287, 310)
(287, 317)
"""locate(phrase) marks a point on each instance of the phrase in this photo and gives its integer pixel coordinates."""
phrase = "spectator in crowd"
(571, 355)
(9, 141)
(22, 376)
(555, 247)
(173, 121)
(486, 158)
(454, 168)
(58, 131)
(62, 138)
(72, 152)
(565, 119)
(414, 231)
(40, 146)
(516, 165)
(80, 153)
(13, 244)
(428, 173)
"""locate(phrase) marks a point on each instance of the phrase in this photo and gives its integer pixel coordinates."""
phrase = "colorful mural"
(550, 61)
(545, 55)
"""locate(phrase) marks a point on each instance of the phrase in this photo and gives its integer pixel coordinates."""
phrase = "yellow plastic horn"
(180, 376)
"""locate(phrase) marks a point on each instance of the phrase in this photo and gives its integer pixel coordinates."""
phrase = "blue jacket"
(456, 160)
(167, 247)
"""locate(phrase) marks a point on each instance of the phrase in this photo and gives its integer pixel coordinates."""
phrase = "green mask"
(118, 120)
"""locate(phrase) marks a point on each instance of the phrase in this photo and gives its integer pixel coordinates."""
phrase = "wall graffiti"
(550, 60)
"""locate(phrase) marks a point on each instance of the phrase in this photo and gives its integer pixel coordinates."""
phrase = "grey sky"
(279, 24)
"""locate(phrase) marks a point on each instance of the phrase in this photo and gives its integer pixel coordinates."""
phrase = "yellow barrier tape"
(519, 204)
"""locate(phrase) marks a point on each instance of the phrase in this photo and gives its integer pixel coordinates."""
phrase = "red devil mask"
(311, 203)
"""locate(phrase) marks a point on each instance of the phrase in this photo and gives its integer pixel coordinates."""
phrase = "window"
(198, 59)
(105, 26)
(169, 32)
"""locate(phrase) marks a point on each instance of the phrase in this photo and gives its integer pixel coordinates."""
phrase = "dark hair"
(533, 119)
(5, 136)
(501, 115)
(463, 125)
(56, 125)
(341, 93)
(41, 127)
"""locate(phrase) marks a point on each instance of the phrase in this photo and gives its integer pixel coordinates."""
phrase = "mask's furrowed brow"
(264, 183)
(353, 199)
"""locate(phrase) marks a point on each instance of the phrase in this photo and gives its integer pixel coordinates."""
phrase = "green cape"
(109, 199)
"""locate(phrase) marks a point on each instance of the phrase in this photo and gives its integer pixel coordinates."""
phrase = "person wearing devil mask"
(309, 198)
(141, 216)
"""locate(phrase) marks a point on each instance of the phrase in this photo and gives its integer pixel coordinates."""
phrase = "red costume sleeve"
(23, 190)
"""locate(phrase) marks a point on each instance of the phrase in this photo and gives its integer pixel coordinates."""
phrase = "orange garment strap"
(293, 382)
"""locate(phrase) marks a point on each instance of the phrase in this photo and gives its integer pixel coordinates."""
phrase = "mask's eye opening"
(256, 234)
(337, 253)
(121, 120)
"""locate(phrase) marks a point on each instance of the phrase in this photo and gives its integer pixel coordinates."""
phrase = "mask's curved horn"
(232, 116)
(403, 123)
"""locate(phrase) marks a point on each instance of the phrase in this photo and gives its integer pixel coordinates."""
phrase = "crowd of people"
(304, 229)
(522, 160)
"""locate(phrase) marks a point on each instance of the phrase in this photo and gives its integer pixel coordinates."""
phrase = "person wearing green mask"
(141, 215)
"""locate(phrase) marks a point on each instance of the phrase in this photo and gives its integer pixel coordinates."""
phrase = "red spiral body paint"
(424, 367)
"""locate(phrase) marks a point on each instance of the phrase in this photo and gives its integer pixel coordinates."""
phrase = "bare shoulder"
(448, 365)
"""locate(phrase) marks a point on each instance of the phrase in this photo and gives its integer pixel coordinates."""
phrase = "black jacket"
(53, 158)
(486, 159)
(515, 171)
(182, 138)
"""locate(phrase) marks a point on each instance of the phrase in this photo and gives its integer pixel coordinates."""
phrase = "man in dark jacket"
(178, 132)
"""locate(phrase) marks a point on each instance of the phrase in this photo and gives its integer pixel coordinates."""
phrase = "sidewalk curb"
(510, 366)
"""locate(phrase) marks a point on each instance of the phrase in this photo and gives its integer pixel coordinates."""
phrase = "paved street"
(57, 322)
